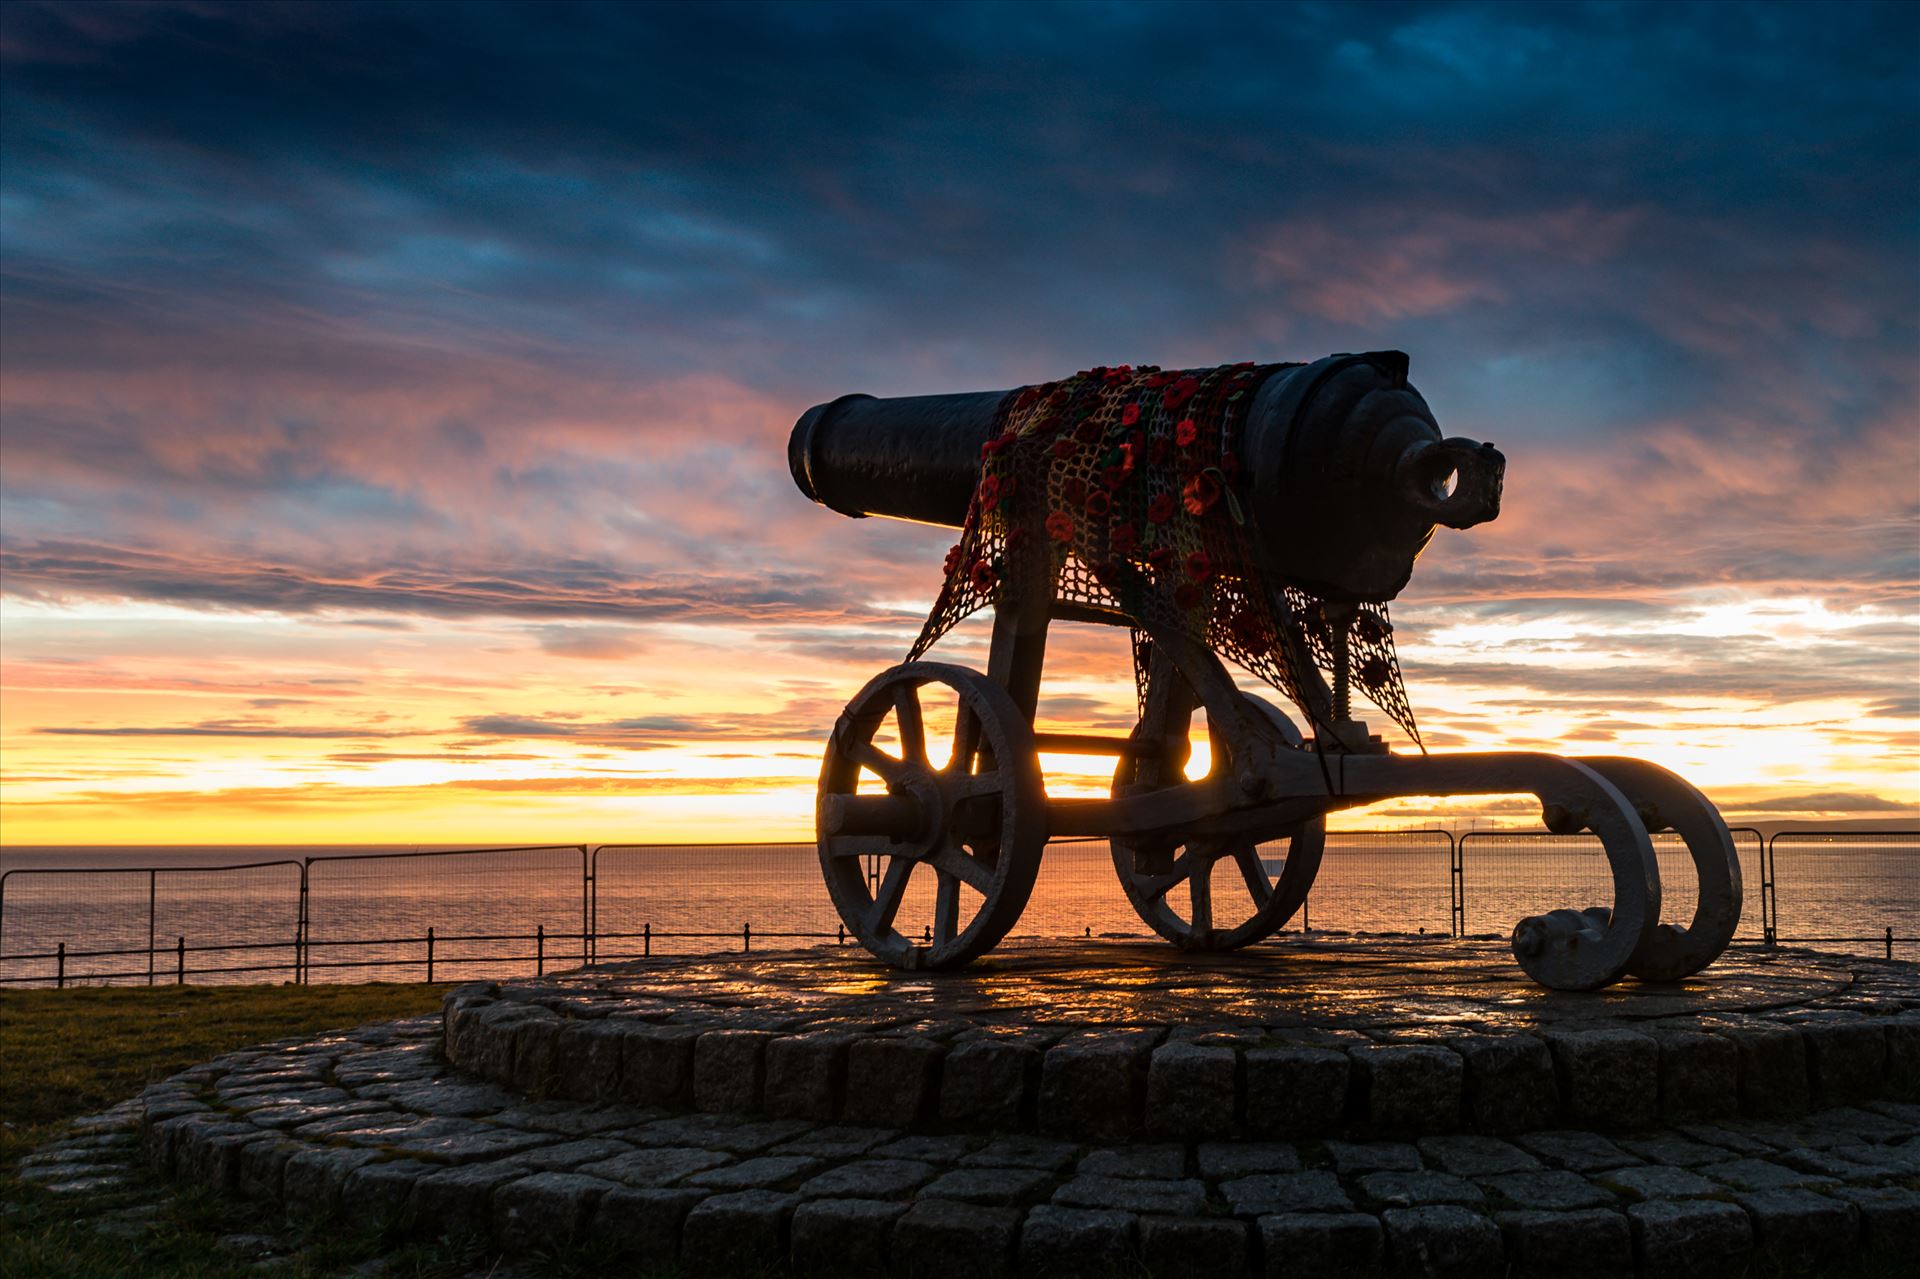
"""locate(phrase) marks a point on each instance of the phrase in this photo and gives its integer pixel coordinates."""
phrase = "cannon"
(1262, 515)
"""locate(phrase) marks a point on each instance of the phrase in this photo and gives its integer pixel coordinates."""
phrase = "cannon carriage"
(1260, 514)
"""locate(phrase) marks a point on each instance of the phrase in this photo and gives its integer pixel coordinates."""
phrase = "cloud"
(218, 728)
(1823, 802)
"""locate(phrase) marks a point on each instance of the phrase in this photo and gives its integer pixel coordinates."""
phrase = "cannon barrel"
(1345, 470)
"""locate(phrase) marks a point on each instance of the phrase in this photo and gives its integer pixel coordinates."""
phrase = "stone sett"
(1579, 1151)
(1135, 1161)
(1889, 1216)
(1903, 1056)
(1024, 1152)
(737, 1234)
(261, 1164)
(1075, 1243)
(946, 1149)
(1846, 1060)
(838, 1142)
(1296, 1091)
(656, 1167)
(1799, 1226)
(1193, 1245)
(1470, 1156)
(643, 1224)
(989, 1083)
(944, 1239)
(1092, 1086)
(1699, 1074)
(544, 1209)
(1659, 1181)
(311, 1180)
(760, 1172)
(1223, 1159)
(1690, 1237)
(1609, 1079)
(870, 1179)
(460, 1200)
(1374, 1156)
(1414, 1189)
(1509, 1084)
(1182, 1197)
(1443, 1242)
(656, 1064)
(1409, 1087)
(834, 1237)
(806, 1076)
(586, 1062)
(1761, 1174)
(1558, 1191)
(992, 1187)
(535, 1053)
(728, 1068)
(1191, 1091)
(1347, 1244)
(1669, 1148)
(381, 1191)
(1287, 1192)
(1564, 1245)
(1773, 1067)
(892, 1081)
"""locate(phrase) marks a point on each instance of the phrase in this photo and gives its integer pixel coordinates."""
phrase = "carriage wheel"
(1258, 901)
(976, 824)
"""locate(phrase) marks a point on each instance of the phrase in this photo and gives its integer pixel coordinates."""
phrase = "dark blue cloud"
(1595, 227)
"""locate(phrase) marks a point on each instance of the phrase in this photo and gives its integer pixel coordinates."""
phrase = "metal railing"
(426, 915)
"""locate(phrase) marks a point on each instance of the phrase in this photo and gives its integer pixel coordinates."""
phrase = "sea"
(364, 913)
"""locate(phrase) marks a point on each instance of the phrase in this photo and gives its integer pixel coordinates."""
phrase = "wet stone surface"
(1099, 1041)
(392, 1127)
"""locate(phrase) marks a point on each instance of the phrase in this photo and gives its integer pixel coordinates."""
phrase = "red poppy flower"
(1074, 490)
(1200, 493)
(1113, 477)
(1123, 539)
(1089, 431)
(989, 493)
(953, 559)
(998, 444)
(1099, 504)
(1369, 629)
(1060, 526)
(1185, 432)
(1160, 509)
(1186, 595)
(1016, 537)
(1252, 631)
(983, 577)
(1160, 379)
(1160, 558)
(1157, 451)
(1130, 415)
(1180, 392)
(1119, 373)
(1374, 672)
(1199, 566)
(1066, 446)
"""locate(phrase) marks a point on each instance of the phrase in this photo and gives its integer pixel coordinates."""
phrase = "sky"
(394, 398)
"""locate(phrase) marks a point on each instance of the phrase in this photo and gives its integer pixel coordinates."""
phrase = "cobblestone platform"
(1104, 1041)
(374, 1126)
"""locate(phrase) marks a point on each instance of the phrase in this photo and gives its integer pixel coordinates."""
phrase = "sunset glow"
(403, 460)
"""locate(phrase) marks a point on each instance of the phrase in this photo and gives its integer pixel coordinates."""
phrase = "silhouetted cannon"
(1334, 475)
(1349, 473)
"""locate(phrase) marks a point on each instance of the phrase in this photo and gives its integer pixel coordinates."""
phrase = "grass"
(76, 1052)
(69, 1053)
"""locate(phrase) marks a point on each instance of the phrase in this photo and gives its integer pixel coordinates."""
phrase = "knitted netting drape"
(1122, 488)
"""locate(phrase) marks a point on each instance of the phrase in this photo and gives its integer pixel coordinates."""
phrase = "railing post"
(180, 962)
(60, 972)
(429, 954)
(153, 892)
(841, 931)
(1889, 941)
(647, 933)
(540, 950)
(1458, 863)
(746, 936)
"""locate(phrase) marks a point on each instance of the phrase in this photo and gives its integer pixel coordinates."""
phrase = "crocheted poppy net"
(1130, 479)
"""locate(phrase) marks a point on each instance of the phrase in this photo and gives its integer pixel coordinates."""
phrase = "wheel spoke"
(913, 728)
(1200, 884)
(871, 757)
(886, 902)
(1159, 885)
(946, 908)
(953, 861)
(966, 739)
(1247, 857)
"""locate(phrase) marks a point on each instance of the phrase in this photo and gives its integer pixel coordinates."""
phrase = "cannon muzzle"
(1346, 472)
